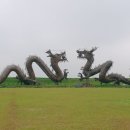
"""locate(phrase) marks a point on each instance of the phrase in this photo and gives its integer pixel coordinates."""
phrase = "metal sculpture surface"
(31, 79)
(88, 71)
(21, 75)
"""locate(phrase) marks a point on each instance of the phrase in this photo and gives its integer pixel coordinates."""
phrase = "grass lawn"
(64, 109)
(47, 83)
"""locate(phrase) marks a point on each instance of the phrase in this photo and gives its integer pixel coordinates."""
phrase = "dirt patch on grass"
(10, 118)
(121, 124)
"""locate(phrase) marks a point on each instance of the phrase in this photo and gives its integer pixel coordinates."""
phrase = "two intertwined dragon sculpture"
(88, 71)
(31, 79)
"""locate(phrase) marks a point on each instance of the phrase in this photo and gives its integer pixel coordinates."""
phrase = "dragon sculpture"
(88, 71)
(31, 79)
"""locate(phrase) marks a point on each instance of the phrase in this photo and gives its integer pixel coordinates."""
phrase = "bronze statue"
(31, 79)
(102, 69)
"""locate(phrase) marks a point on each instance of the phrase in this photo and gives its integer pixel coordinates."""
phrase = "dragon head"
(85, 54)
(57, 57)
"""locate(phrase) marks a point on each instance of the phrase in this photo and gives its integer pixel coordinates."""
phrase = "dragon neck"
(88, 65)
(56, 68)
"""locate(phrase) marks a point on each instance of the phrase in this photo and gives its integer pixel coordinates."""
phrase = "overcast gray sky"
(30, 27)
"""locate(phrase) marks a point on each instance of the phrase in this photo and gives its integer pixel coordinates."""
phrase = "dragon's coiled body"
(101, 69)
(58, 76)
(55, 59)
(18, 71)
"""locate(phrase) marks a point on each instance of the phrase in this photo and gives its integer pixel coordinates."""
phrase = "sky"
(31, 27)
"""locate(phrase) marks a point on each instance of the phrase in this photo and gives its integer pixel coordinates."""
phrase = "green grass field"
(47, 83)
(64, 109)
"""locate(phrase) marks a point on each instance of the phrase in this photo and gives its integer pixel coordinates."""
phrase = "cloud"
(31, 27)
